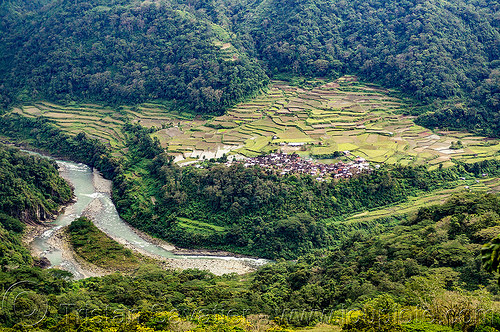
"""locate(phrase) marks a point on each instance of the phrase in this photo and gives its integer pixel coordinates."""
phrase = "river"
(93, 199)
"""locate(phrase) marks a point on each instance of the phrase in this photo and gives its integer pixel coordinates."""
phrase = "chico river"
(93, 199)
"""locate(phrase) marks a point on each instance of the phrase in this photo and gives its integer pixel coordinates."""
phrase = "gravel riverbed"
(217, 262)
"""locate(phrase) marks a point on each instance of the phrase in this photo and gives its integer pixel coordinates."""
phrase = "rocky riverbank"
(54, 242)
(222, 264)
(217, 262)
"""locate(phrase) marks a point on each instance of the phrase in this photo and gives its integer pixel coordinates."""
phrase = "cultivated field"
(94, 120)
(433, 198)
(344, 115)
(338, 116)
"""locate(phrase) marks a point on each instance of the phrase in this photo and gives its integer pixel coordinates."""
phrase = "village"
(283, 164)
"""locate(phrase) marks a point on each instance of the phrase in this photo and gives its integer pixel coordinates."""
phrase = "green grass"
(414, 203)
(199, 226)
(97, 248)
(257, 144)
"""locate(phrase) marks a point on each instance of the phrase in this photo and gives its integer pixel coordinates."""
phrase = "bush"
(11, 224)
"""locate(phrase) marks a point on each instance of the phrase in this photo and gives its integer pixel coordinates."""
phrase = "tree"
(490, 255)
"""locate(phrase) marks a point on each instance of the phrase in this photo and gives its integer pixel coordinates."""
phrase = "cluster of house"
(293, 164)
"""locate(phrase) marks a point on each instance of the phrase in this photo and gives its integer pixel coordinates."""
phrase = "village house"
(283, 164)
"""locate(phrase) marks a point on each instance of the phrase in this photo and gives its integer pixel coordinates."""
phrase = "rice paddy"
(96, 121)
(432, 198)
(344, 115)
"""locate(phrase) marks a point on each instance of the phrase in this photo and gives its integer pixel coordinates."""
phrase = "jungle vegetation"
(430, 260)
(205, 55)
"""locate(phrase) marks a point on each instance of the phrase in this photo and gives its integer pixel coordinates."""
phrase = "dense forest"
(204, 56)
(31, 188)
(126, 53)
(430, 260)
(441, 241)
(277, 217)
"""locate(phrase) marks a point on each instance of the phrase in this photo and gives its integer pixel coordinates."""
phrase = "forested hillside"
(432, 50)
(202, 55)
(440, 243)
(31, 191)
(430, 261)
(31, 188)
(128, 52)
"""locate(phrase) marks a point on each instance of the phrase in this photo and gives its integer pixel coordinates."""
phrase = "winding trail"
(93, 200)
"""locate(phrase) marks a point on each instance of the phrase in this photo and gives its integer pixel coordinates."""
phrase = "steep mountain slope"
(431, 50)
(31, 191)
(202, 55)
(31, 188)
(438, 247)
(126, 53)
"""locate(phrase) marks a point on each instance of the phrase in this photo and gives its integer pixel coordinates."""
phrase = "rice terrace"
(257, 166)
(343, 115)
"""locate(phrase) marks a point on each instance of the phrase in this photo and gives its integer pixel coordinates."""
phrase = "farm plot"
(432, 198)
(101, 123)
(345, 115)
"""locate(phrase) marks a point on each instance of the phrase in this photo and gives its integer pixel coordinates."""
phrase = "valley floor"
(216, 262)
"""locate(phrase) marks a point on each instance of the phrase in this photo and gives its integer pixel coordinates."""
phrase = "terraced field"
(344, 115)
(198, 226)
(94, 120)
(433, 198)
(337, 116)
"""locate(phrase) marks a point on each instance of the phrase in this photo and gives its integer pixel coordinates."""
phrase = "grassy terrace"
(198, 226)
(94, 120)
(335, 116)
(433, 198)
(332, 116)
